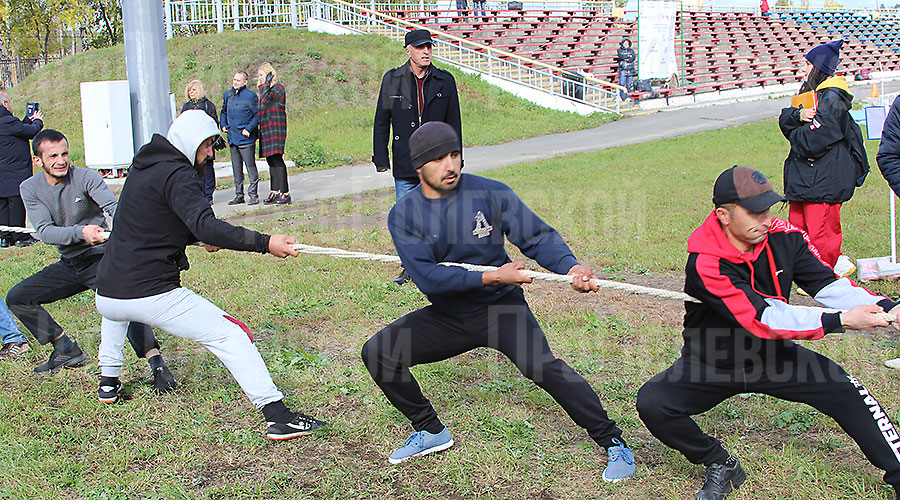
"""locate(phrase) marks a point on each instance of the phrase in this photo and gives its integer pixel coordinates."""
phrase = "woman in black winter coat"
(196, 99)
(627, 68)
(822, 168)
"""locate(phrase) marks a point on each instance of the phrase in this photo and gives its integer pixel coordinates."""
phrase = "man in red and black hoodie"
(739, 338)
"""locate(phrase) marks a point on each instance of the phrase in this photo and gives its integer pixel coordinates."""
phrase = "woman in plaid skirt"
(272, 132)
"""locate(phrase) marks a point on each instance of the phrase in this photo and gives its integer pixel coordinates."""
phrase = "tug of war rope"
(560, 278)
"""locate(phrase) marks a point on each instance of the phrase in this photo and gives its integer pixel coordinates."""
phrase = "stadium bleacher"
(715, 50)
(863, 27)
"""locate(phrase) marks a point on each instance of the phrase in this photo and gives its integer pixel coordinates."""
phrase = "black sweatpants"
(58, 281)
(12, 213)
(667, 402)
(430, 335)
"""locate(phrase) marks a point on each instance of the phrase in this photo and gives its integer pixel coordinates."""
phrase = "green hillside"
(332, 84)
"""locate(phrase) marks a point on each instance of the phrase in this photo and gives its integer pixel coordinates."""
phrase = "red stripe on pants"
(822, 222)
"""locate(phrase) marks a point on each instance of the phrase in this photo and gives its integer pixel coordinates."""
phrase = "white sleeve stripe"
(843, 294)
(782, 316)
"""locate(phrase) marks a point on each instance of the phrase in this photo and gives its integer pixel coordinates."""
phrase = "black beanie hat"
(431, 141)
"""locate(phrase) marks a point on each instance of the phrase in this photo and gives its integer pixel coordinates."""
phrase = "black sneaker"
(721, 479)
(237, 200)
(108, 392)
(163, 380)
(403, 279)
(27, 242)
(300, 425)
(59, 360)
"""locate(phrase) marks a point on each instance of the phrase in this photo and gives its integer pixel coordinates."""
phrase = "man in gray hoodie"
(67, 207)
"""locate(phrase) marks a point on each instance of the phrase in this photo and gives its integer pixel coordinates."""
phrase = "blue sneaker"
(422, 443)
(620, 464)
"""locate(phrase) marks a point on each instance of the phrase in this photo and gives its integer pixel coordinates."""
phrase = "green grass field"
(331, 81)
(626, 211)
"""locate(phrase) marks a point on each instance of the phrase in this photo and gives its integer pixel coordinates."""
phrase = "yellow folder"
(805, 100)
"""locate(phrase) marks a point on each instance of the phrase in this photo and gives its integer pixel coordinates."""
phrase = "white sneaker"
(893, 363)
(844, 266)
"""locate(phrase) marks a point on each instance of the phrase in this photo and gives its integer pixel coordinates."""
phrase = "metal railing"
(583, 89)
(186, 17)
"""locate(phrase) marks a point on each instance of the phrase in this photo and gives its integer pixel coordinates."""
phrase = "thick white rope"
(15, 229)
(560, 278)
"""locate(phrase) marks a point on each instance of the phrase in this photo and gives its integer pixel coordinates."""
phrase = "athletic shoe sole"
(422, 453)
(616, 480)
(285, 437)
(109, 400)
(72, 363)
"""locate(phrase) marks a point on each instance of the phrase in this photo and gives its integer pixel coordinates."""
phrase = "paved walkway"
(355, 179)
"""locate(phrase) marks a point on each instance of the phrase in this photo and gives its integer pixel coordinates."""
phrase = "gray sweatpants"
(183, 313)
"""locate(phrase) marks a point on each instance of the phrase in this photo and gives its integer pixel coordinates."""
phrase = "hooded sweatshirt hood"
(839, 84)
(189, 130)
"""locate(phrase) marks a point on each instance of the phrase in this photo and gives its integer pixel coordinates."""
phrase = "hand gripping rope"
(560, 278)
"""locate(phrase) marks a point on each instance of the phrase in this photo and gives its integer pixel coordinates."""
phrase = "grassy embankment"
(332, 85)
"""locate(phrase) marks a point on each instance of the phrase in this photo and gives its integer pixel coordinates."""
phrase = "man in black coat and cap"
(411, 95)
(15, 167)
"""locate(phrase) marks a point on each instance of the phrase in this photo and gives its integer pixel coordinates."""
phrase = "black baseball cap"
(747, 187)
(417, 38)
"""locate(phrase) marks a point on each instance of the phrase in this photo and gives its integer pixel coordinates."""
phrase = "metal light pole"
(148, 70)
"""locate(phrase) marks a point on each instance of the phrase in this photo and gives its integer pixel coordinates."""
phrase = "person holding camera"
(273, 132)
(239, 119)
(196, 99)
(15, 167)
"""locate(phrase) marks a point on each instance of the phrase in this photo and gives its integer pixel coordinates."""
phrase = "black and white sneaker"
(300, 425)
(163, 380)
(59, 360)
(108, 392)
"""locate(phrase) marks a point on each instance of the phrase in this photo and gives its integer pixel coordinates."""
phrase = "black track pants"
(429, 335)
(667, 402)
(58, 281)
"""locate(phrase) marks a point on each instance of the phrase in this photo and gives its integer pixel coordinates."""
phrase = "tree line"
(41, 29)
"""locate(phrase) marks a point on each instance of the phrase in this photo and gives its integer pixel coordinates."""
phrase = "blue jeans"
(402, 187)
(625, 81)
(8, 327)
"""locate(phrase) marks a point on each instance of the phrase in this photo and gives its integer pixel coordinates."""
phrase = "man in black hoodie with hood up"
(162, 209)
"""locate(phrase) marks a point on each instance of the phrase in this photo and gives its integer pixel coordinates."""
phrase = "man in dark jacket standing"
(627, 66)
(412, 94)
(239, 119)
(819, 173)
(15, 167)
(162, 210)
(740, 337)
